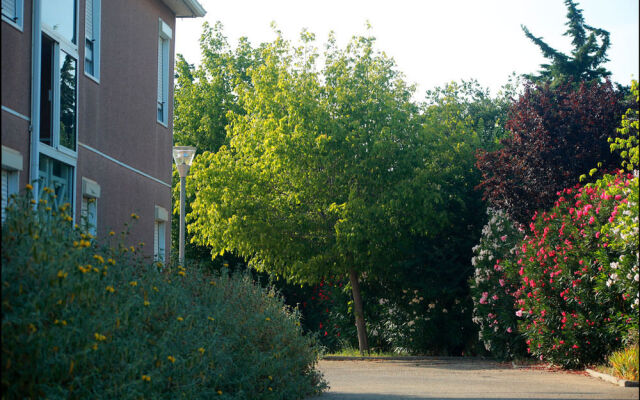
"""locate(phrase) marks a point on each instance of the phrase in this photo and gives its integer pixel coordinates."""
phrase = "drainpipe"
(36, 67)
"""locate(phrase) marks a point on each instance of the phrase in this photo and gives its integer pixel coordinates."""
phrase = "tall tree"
(325, 172)
(558, 134)
(587, 55)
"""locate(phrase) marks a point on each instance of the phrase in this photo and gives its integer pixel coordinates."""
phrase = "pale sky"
(432, 41)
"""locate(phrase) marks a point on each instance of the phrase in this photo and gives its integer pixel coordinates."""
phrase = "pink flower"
(597, 235)
(509, 330)
(501, 281)
(519, 313)
(503, 238)
(495, 297)
(592, 220)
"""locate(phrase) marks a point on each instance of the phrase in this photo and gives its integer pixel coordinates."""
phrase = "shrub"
(557, 134)
(625, 363)
(494, 286)
(574, 311)
(81, 320)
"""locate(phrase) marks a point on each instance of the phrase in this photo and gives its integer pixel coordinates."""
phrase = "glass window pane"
(46, 92)
(60, 15)
(68, 94)
(57, 176)
(88, 57)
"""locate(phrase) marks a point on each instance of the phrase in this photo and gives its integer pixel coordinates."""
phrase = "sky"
(432, 41)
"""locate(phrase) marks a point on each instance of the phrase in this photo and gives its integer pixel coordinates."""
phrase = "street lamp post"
(183, 156)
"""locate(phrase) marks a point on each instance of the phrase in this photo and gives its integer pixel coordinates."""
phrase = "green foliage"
(628, 141)
(495, 285)
(319, 174)
(587, 56)
(81, 320)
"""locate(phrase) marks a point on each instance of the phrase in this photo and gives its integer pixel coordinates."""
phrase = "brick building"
(87, 107)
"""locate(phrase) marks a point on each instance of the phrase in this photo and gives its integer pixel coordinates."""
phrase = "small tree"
(557, 135)
(583, 64)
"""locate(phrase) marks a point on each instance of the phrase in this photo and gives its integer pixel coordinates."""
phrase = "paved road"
(458, 379)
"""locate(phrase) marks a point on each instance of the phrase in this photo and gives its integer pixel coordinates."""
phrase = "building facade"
(87, 109)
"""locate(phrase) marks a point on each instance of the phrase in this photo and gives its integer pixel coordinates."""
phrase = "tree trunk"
(358, 312)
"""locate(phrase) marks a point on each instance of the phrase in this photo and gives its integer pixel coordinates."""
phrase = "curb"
(612, 379)
(398, 358)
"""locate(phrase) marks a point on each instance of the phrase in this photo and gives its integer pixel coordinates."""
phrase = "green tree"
(587, 55)
(325, 172)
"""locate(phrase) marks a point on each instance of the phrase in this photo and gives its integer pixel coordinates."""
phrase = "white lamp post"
(183, 156)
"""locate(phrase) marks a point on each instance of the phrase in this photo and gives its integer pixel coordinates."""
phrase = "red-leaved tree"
(557, 134)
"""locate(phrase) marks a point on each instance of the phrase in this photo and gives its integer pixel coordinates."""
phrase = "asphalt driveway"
(451, 378)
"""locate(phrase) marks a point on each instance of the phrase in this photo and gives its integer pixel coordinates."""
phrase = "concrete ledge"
(400, 358)
(612, 379)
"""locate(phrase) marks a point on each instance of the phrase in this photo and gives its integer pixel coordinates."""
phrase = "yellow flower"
(133, 283)
(75, 243)
(210, 318)
(47, 208)
(62, 274)
(111, 233)
(141, 244)
(171, 358)
(270, 378)
(219, 392)
(111, 261)
(267, 319)
(180, 319)
(155, 288)
(95, 269)
(201, 350)
(68, 218)
(212, 283)
(99, 337)
(32, 201)
(134, 216)
(94, 346)
(146, 378)
(32, 328)
(181, 273)
(110, 289)
(29, 187)
(99, 258)
(271, 390)
(146, 303)
(133, 250)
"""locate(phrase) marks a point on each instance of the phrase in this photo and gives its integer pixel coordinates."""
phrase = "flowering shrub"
(575, 311)
(494, 285)
(84, 321)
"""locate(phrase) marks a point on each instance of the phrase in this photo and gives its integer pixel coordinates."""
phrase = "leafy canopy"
(324, 170)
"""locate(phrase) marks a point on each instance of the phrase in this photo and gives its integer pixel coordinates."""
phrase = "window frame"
(97, 16)
(165, 35)
(18, 20)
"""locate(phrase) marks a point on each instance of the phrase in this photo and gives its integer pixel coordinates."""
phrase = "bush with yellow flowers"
(86, 319)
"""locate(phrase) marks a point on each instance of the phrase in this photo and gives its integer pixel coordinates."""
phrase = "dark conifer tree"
(584, 62)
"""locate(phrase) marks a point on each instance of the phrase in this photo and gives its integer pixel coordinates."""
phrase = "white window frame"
(17, 20)
(97, 12)
(160, 234)
(165, 34)
(11, 167)
(57, 151)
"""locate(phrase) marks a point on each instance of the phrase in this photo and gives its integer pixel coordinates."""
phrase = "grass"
(353, 352)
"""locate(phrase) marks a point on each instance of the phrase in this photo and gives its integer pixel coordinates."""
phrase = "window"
(58, 96)
(92, 38)
(57, 176)
(164, 40)
(89, 206)
(159, 234)
(60, 18)
(11, 167)
(12, 12)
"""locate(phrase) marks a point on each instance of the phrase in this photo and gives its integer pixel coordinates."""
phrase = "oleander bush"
(578, 296)
(81, 320)
(495, 285)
